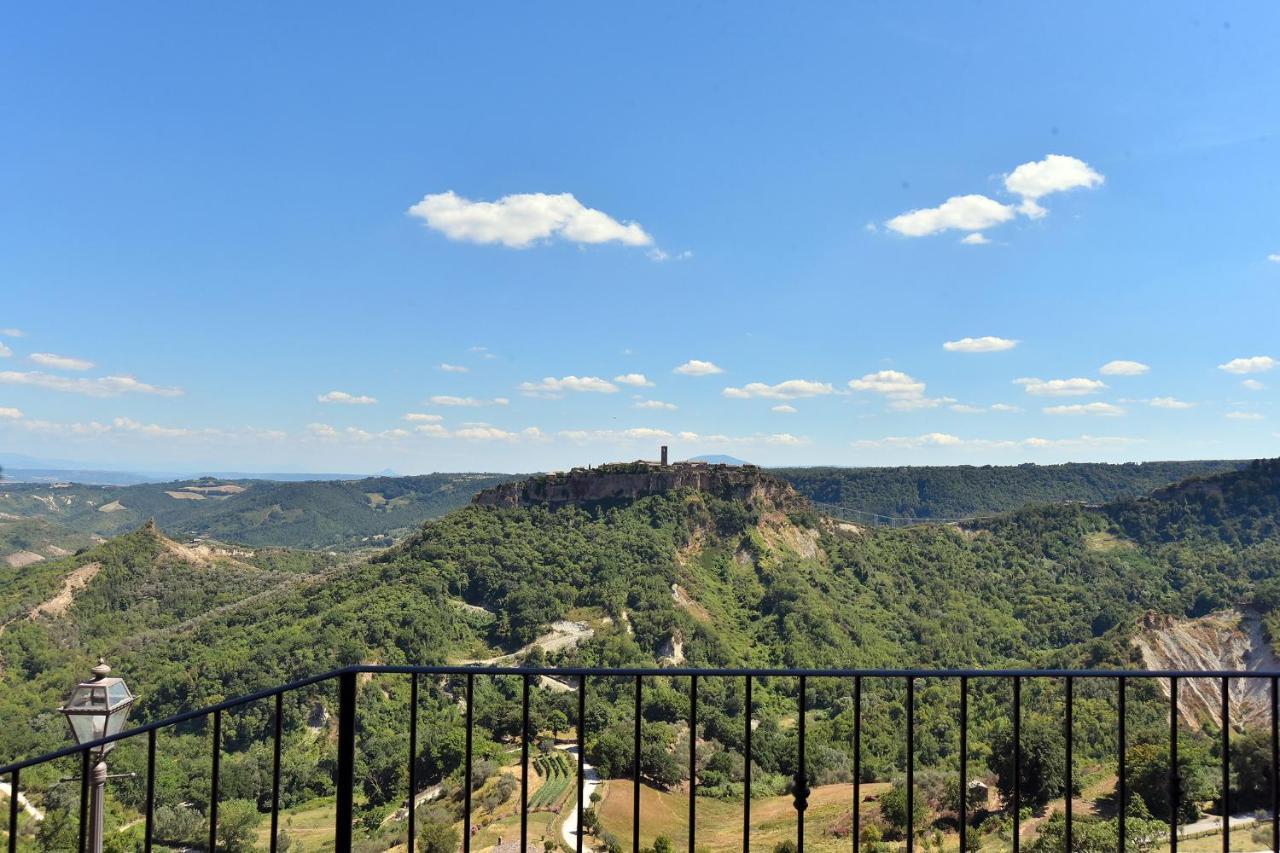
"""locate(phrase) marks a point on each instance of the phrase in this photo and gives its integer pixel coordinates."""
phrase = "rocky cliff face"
(621, 483)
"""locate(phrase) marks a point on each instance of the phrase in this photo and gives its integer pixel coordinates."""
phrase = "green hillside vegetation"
(907, 494)
(341, 514)
(762, 585)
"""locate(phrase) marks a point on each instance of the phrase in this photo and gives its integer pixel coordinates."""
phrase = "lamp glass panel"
(117, 692)
(115, 723)
(87, 727)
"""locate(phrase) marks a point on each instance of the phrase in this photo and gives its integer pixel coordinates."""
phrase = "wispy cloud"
(5, 352)
(103, 386)
(791, 389)
(422, 418)
(1169, 403)
(1107, 409)
(345, 399)
(1123, 368)
(942, 439)
(784, 409)
(695, 367)
(987, 343)
(1252, 385)
(904, 392)
(1252, 364)
(656, 404)
(1060, 387)
(12, 333)
(10, 412)
(452, 368)
(553, 387)
(520, 220)
(59, 362)
(450, 400)
(1245, 416)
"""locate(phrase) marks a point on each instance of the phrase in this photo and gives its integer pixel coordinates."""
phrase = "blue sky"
(231, 211)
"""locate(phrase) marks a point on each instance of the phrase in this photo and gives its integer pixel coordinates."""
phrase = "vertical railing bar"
(149, 817)
(345, 780)
(964, 761)
(693, 761)
(857, 762)
(466, 781)
(214, 787)
(84, 800)
(14, 781)
(1226, 766)
(911, 764)
(524, 765)
(1069, 791)
(1121, 719)
(277, 737)
(1275, 763)
(412, 824)
(802, 771)
(582, 751)
(1017, 764)
(635, 771)
(1173, 765)
(746, 770)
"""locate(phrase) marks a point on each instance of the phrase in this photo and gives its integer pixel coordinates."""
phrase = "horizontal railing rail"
(346, 679)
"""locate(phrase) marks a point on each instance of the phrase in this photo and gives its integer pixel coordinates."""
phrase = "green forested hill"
(309, 514)
(906, 494)
(730, 582)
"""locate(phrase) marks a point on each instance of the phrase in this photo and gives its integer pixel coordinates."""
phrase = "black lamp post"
(95, 709)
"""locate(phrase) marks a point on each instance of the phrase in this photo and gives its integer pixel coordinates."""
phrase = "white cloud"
(1109, 409)
(104, 386)
(656, 404)
(1055, 173)
(9, 412)
(639, 380)
(1274, 257)
(783, 439)
(12, 333)
(422, 417)
(343, 398)
(552, 387)
(904, 392)
(1060, 387)
(694, 367)
(942, 439)
(453, 368)
(1005, 407)
(891, 383)
(1253, 364)
(966, 409)
(974, 239)
(449, 400)
(1123, 368)
(60, 362)
(961, 212)
(484, 432)
(987, 343)
(1252, 384)
(522, 219)
(791, 389)
(660, 256)
(633, 434)
(1244, 416)
(5, 352)
(784, 408)
(1169, 403)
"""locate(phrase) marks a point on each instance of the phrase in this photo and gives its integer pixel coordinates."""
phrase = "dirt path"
(71, 584)
(22, 801)
(590, 781)
(563, 635)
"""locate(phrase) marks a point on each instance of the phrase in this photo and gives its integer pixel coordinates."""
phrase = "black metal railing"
(347, 714)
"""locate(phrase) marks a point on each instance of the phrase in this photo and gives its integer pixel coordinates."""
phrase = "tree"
(893, 807)
(1043, 761)
(436, 837)
(237, 825)
(1148, 766)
